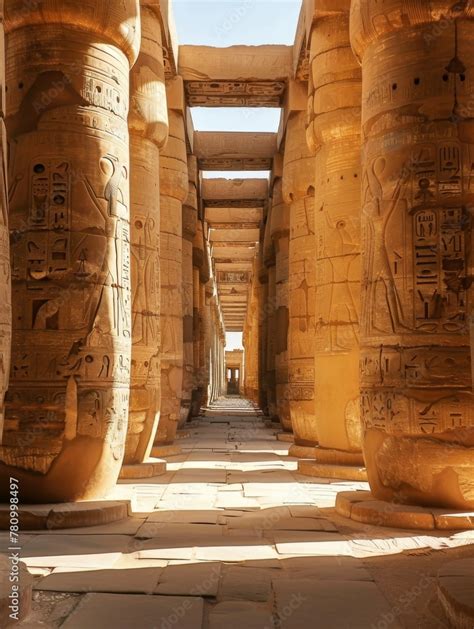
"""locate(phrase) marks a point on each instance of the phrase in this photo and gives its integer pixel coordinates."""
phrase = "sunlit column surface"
(68, 98)
(173, 193)
(417, 191)
(148, 124)
(298, 192)
(334, 131)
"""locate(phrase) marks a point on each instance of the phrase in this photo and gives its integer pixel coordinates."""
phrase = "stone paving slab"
(120, 611)
(199, 579)
(302, 604)
(94, 551)
(116, 580)
(240, 614)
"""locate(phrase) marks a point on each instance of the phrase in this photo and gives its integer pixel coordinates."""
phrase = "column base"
(310, 467)
(147, 469)
(287, 437)
(67, 515)
(361, 506)
(301, 452)
(455, 592)
(165, 450)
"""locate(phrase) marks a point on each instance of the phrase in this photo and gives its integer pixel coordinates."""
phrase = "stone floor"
(232, 536)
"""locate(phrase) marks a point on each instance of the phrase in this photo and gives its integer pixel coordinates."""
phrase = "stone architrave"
(5, 275)
(190, 219)
(173, 193)
(279, 231)
(334, 133)
(148, 124)
(417, 191)
(298, 193)
(67, 405)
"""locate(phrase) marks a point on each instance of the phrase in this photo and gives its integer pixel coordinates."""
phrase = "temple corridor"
(233, 536)
(236, 314)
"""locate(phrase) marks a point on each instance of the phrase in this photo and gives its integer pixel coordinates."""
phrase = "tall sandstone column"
(148, 124)
(280, 230)
(68, 99)
(418, 188)
(190, 218)
(298, 193)
(5, 275)
(199, 278)
(268, 305)
(251, 341)
(173, 193)
(334, 129)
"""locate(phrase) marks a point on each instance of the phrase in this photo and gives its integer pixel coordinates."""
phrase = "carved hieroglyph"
(173, 193)
(417, 188)
(298, 192)
(67, 103)
(334, 130)
(5, 277)
(148, 123)
(190, 217)
(279, 230)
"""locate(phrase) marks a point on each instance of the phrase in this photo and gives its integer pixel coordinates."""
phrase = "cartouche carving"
(67, 405)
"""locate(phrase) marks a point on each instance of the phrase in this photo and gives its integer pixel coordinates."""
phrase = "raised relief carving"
(148, 124)
(67, 403)
(334, 133)
(416, 385)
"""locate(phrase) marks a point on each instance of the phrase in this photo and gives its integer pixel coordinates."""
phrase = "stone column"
(67, 408)
(417, 191)
(5, 275)
(148, 124)
(298, 192)
(173, 193)
(280, 230)
(199, 279)
(262, 329)
(334, 130)
(251, 342)
(268, 305)
(190, 217)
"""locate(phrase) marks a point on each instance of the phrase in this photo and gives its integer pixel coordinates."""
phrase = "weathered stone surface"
(121, 611)
(279, 232)
(456, 592)
(173, 193)
(298, 193)
(417, 403)
(334, 131)
(5, 273)
(148, 123)
(66, 414)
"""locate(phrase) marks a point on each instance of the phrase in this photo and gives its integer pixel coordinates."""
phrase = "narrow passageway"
(233, 536)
